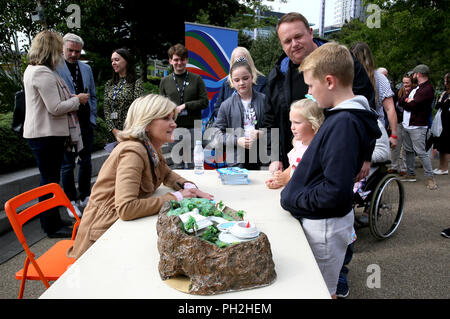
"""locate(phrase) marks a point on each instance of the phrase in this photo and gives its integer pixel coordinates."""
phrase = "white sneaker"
(77, 211)
(83, 203)
(440, 172)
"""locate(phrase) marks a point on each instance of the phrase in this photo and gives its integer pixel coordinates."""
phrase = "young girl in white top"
(306, 118)
(243, 112)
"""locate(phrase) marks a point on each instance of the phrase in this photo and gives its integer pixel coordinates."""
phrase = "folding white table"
(123, 263)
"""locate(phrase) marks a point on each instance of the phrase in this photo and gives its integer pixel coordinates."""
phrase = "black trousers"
(49, 153)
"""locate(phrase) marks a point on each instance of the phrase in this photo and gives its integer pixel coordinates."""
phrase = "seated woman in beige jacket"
(133, 171)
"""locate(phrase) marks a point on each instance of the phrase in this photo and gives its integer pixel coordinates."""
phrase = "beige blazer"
(47, 103)
(124, 190)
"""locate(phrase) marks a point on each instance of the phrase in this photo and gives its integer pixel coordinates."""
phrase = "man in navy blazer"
(79, 78)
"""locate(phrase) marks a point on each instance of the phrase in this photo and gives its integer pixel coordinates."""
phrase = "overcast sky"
(309, 8)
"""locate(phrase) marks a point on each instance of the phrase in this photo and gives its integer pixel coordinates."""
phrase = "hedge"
(15, 154)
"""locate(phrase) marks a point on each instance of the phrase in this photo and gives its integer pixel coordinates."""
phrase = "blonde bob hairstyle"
(310, 111)
(46, 49)
(142, 111)
(239, 52)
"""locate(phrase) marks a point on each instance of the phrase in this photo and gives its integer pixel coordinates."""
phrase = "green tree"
(265, 52)
(148, 30)
(411, 32)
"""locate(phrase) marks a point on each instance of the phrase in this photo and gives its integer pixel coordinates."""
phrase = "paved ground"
(414, 263)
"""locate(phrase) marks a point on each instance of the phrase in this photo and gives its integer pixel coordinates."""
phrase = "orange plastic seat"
(54, 262)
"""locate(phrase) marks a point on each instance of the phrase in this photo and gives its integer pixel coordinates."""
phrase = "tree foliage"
(265, 52)
(411, 32)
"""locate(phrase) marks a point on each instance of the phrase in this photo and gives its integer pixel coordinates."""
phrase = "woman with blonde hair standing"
(50, 123)
(133, 172)
(259, 80)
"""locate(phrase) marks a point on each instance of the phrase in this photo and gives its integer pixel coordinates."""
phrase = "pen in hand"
(181, 185)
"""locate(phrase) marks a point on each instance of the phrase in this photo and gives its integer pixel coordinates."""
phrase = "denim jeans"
(414, 143)
(49, 153)
(84, 167)
(342, 283)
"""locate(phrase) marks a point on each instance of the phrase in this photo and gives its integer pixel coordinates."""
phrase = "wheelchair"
(382, 200)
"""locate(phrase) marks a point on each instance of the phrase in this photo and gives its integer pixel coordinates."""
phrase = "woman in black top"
(443, 141)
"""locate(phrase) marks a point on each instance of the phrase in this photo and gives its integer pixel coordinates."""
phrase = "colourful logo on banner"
(207, 59)
(209, 48)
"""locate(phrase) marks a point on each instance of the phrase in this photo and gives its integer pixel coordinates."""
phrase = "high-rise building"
(322, 17)
(346, 10)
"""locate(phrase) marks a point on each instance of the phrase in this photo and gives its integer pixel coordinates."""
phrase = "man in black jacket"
(286, 85)
(320, 192)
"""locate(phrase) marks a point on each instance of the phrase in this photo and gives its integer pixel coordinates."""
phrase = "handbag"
(436, 127)
(18, 113)
(430, 140)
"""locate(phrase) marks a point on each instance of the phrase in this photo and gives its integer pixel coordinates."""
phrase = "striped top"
(384, 91)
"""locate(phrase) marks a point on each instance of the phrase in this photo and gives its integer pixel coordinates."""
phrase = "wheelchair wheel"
(386, 207)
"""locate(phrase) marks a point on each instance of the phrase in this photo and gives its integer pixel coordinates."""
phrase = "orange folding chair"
(54, 262)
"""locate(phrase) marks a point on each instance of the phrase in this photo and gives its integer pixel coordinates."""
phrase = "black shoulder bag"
(19, 112)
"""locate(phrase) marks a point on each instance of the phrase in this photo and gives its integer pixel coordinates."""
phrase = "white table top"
(123, 263)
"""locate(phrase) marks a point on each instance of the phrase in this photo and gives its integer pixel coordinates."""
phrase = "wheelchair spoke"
(388, 207)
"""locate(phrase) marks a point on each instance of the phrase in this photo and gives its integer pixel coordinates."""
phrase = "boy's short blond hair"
(330, 59)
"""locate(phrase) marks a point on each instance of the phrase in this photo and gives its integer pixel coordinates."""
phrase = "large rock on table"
(211, 269)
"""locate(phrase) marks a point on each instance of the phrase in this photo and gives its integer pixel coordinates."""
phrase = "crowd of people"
(334, 111)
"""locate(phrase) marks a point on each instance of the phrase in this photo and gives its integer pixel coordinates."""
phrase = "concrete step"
(18, 182)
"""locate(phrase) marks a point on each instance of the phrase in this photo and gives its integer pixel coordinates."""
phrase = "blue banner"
(209, 50)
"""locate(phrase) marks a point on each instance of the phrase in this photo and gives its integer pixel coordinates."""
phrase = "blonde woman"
(227, 90)
(306, 118)
(49, 107)
(128, 179)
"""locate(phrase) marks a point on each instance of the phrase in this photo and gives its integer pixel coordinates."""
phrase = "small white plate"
(240, 230)
(229, 238)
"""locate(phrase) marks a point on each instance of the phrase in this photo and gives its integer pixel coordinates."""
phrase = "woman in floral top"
(120, 91)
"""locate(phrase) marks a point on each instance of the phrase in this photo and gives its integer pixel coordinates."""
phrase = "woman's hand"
(180, 108)
(115, 131)
(393, 141)
(272, 183)
(365, 169)
(195, 192)
(245, 142)
(256, 134)
(275, 166)
(83, 97)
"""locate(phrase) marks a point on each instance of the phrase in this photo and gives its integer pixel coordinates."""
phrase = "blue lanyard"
(75, 80)
(117, 90)
(181, 92)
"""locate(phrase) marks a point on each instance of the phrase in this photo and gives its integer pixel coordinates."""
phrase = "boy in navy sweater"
(320, 191)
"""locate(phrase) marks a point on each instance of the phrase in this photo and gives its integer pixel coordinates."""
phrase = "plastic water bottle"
(199, 158)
